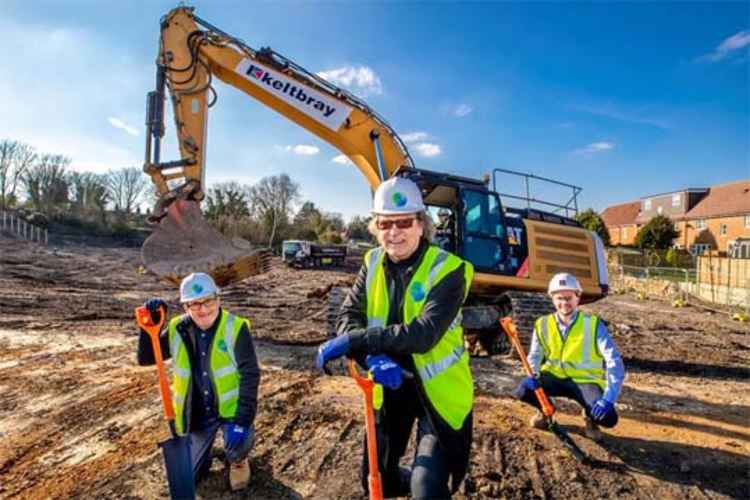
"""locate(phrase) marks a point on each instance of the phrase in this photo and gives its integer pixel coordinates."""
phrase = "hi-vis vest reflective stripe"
(223, 374)
(444, 369)
(577, 357)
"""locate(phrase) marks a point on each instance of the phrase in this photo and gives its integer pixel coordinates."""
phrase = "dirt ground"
(78, 418)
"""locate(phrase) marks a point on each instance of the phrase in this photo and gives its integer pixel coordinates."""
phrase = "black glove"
(154, 306)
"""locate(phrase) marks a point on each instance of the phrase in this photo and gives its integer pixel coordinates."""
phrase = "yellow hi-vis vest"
(444, 369)
(577, 357)
(223, 374)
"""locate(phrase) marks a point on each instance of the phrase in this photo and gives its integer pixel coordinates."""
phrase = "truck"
(308, 254)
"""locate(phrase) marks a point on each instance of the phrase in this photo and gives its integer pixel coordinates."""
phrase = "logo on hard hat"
(197, 288)
(417, 292)
(398, 199)
(562, 282)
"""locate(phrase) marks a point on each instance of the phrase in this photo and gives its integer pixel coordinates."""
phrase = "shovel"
(373, 478)
(547, 409)
(176, 450)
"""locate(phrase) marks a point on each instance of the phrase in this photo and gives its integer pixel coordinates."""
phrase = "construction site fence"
(23, 229)
(721, 281)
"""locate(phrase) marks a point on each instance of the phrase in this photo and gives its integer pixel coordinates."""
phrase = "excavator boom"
(192, 52)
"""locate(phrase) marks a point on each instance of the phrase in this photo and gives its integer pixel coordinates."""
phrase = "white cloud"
(733, 43)
(303, 149)
(410, 137)
(462, 110)
(427, 150)
(361, 80)
(595, 147)
(642, 115)
(117, 123)
(342, 160)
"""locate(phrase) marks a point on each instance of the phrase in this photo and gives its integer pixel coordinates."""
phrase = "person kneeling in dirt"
(215, 375)
(574, 356)
(404, 313)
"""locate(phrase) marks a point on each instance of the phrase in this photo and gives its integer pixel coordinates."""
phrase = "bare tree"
(15, 159)
(227, 199)
(89, 193)
(125, 187)
(46, 182)
(271, 200)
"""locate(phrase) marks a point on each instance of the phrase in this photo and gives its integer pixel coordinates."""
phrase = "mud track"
(79, 419)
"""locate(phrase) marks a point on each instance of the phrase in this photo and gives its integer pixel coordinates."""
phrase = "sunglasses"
(202, 304)
(386, 224)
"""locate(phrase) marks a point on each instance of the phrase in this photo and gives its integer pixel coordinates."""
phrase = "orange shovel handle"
(143, 318)
(510, 329)
(373, 478)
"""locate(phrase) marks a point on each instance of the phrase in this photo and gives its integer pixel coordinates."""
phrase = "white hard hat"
(563, 281)
(197, 286)
(396, 196)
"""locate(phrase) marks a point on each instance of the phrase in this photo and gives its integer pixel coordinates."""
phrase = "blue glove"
(602, 409)
(530, 383)
(333, 349)
(235, 435)
(384, 371)
(153, 305)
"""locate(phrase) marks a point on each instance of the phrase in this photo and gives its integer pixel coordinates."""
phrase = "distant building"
(715, 218)
(621, 222)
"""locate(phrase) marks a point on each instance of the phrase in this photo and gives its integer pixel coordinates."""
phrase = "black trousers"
(584, 394)
(430, 472)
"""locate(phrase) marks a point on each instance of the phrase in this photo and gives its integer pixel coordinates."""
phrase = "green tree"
(227, 199)
(657, 234)
(593, 222)
(357, 228)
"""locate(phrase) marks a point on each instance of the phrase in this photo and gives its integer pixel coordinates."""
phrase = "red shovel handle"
(143, 318)
(373, 478)
(512, 332)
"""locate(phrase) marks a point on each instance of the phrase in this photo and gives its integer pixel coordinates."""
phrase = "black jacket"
(247, 365)
(399, 340)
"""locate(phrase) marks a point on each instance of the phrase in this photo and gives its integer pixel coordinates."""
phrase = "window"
(647, 204)
(700, 224)
(659, 210)
(747, 221)
(484, 232)
(699, 248)
(676, 226)
(723, 229)
(675, 200)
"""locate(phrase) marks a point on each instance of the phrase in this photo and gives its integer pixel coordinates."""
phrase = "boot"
(239, 474)
(537, 421)
(591, 429)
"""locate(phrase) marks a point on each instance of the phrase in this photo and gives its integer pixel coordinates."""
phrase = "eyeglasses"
(386, 224)
(198, 304)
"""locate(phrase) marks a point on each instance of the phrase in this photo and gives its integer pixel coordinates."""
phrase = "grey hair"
(428, 226)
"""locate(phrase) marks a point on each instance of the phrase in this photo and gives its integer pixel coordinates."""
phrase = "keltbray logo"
(398, 199)
(417, 292)
(197, 288)
(317, 105)
(222, 346)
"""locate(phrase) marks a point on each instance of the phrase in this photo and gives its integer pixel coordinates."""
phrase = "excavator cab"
(470, 221)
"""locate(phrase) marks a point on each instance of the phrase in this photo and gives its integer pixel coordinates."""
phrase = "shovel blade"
(179, 467)
(567, 441)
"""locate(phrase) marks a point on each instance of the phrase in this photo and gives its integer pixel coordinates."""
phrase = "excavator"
(515, 251)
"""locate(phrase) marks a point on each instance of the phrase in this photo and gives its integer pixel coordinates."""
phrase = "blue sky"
(624, 99)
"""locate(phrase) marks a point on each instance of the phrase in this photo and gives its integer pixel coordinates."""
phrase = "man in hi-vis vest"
(402, 319)
(574, 356)
(215, 376)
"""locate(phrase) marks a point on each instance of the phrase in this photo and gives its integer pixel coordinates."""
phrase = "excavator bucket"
(183, 243)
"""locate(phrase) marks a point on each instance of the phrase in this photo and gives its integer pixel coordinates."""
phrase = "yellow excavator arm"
(192, 53)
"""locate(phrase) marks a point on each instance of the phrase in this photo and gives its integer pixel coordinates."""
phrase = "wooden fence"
(19, 227)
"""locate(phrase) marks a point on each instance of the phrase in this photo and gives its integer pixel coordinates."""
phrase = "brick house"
(620, 222)
(715, 218)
